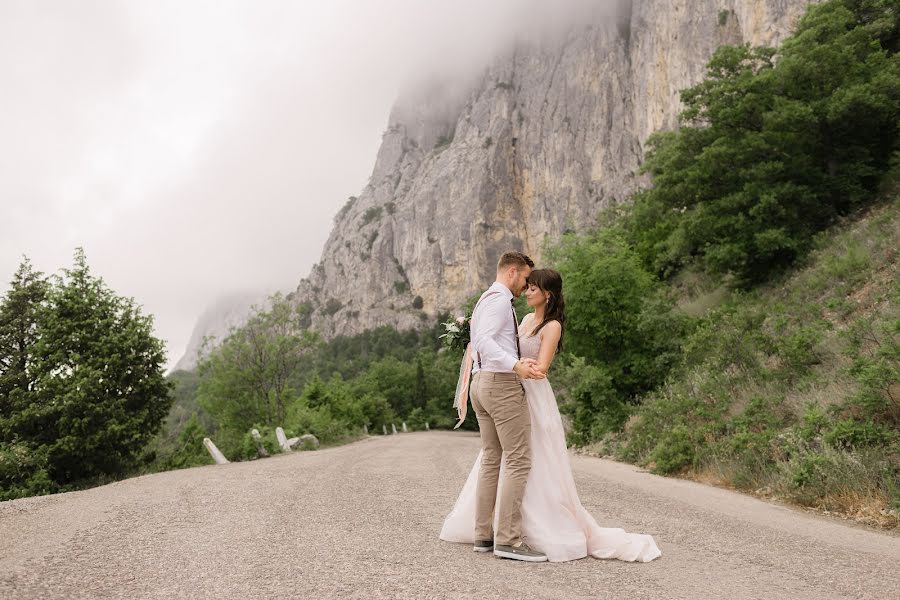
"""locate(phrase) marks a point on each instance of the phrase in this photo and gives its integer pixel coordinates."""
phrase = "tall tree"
(100, 391)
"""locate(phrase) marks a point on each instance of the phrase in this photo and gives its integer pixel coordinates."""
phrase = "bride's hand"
(527, 369)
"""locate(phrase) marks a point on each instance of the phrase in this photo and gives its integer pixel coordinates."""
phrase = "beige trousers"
(505, 423)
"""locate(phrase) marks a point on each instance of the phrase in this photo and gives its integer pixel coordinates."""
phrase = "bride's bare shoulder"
(553, 327)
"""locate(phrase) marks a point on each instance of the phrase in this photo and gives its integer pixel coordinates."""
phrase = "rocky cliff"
(544, 137)
(229, 311)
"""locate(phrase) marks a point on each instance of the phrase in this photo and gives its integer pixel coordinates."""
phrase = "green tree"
(394, 379)
(248, 378)
(99, 393)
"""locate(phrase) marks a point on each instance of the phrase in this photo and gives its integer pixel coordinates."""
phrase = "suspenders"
(515, 325)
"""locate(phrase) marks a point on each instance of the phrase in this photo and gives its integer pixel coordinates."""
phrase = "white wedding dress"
(553, 519)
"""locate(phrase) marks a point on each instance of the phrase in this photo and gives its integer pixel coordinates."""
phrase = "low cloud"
(196, 149)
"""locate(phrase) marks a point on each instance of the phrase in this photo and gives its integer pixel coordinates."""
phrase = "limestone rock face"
(548, 134)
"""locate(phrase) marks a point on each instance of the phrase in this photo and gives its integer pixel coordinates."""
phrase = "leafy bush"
(587, 395)
(675, 451)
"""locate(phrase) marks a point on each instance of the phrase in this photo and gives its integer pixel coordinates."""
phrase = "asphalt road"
(362, 521)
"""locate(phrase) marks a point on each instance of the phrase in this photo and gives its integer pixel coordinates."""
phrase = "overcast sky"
(201, 148)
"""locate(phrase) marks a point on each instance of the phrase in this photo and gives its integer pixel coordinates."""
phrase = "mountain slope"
(551, 132)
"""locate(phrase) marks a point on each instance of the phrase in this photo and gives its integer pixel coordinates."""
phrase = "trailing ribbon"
(461, 398)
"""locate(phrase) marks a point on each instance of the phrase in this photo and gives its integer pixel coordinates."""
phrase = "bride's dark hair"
(550, 281)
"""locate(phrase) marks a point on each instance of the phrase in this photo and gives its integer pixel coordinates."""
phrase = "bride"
(553, 520)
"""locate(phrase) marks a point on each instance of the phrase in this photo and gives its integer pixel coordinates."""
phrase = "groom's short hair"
(517, 259)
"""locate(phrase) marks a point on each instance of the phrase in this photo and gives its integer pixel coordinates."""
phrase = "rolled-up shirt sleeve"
(493, 313)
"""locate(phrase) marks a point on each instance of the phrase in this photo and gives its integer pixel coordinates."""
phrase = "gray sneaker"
(483, 545)
(522, 551)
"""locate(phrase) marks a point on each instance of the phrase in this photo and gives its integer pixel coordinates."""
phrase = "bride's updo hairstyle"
(550, 281)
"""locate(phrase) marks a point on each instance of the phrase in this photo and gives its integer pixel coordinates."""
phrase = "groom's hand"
(527, 368)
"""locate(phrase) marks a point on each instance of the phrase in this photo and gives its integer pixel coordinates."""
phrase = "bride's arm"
(549, 342)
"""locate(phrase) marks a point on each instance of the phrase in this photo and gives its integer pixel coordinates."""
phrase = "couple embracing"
(524, 452)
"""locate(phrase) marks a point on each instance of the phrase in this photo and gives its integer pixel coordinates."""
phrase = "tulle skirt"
(553, 519)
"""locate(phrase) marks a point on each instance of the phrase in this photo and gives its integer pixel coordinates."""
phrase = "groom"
(498, 399)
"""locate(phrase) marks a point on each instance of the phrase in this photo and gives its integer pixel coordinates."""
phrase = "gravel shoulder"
(361, 521)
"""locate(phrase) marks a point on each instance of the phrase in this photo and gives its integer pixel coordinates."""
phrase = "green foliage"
(850, 433)
(391, 379)
(332, 306)
(332, 410)
(404, 373)
(268, 438)
(777, 391)
(590, 398)
(247, 378)
(189, 451)
(24, 470)
(771, 151)
(791, 385)
(675, 451)
(372, 214)
(826, 478)
(723, 17)
(273, 371)
(619, 322)
(874, 346)
(185, 409)
(19, 314)
(92, 394)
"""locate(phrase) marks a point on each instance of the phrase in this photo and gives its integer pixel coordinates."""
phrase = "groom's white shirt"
(494, 332)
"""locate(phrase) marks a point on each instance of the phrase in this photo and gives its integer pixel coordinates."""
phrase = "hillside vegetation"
(792, 389)
(738, 320)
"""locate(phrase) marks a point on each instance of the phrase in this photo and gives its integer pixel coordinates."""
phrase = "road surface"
(361, 521)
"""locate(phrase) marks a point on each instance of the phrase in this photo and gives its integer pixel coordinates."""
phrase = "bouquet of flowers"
(458, 332)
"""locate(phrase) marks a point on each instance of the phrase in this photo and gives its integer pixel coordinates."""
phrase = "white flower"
(460, 320)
